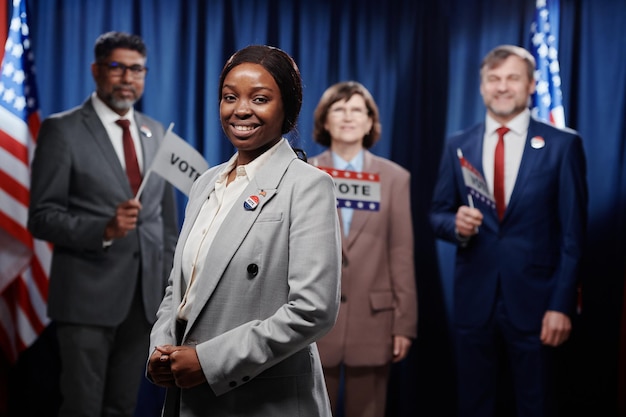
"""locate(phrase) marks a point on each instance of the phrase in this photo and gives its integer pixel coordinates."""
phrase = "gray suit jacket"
(271, 291)
(77, 182)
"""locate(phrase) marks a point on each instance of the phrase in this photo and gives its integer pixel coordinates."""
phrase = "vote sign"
(356, 190)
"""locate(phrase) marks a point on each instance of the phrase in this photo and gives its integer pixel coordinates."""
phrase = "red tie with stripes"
(130, 157)
(498, 173)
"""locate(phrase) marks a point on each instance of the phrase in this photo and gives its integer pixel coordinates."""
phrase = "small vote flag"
(177, 162)
(476, 185)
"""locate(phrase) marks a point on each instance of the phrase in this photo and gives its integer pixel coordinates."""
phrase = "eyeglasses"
(118, 69)
(342, 111)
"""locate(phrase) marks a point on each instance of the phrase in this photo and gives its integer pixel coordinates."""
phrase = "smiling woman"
(246, 326)
(251, 110)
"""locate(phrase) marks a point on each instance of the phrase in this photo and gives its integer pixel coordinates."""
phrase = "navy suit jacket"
(534, 253)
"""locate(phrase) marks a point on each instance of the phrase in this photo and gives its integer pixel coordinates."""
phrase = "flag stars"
(8, 95)
(16, 24)
(8, 45)
(8, 69)
(19, 103)
(18, 76)
(547, 95)
(543, 50)
(25, 30)
(542, 87)
(17, 51)
(553, 54)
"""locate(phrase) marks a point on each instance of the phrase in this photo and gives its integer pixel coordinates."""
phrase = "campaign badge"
(251, 202)
(537, 142)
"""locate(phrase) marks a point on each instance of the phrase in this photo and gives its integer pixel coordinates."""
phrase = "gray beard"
(120, 104)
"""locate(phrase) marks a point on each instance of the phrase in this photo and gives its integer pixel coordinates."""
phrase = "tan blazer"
(378, 291)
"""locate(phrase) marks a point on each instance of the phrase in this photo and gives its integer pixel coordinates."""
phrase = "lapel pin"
(262, 193)
(146, 131)
(251, 202)
(537, 142)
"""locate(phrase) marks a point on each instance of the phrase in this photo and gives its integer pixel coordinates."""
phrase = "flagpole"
(145, 178)
(470, 200)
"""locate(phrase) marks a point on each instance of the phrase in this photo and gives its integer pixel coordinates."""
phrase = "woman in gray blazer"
(256, 271)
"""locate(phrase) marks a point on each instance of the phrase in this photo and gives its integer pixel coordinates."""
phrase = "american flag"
(24, 261)
(548, 99)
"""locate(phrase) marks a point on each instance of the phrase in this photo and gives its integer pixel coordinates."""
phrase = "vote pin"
(537, 142)
(146, 131)
(251, 202)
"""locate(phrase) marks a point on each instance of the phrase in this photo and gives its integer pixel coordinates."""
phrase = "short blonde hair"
(500, 53)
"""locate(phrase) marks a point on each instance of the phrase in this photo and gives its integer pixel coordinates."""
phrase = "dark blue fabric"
(420, 60)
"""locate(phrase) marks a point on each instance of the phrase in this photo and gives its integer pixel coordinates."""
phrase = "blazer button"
(343, 298)
(253, 270)
(245, 379)
(232, 384)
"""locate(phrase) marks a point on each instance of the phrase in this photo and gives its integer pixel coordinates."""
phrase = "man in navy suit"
(517, 260)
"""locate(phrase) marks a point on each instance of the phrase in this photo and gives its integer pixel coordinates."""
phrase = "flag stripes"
(26, 261)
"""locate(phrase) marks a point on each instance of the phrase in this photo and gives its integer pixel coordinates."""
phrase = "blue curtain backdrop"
(420, 60)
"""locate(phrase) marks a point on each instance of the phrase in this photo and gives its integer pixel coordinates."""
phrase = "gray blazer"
(271, 291)
(77, 182)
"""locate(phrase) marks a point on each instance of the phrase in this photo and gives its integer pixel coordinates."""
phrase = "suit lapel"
(101, 138)
(527, 165)
(149, 146)
(238, 222)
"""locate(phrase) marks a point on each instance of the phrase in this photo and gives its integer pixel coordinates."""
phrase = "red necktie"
(132, 166)
(498, 173)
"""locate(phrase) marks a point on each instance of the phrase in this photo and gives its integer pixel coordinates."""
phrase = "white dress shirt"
(211, 216)
(108, 118)
(514, 142)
